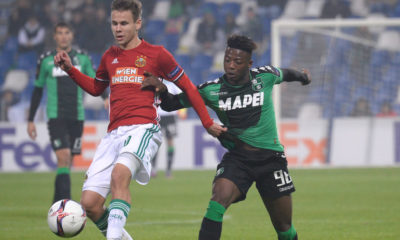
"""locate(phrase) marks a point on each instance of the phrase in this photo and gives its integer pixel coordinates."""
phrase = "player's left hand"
(215, 130)
(152, 82)
(307, 73)
(62, 60)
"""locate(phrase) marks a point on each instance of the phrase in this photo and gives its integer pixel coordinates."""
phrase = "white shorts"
(143, 141)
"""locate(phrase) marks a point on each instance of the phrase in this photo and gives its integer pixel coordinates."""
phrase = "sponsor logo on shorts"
(283, 189)
(57, 143)
(127, 141)
(219, 171)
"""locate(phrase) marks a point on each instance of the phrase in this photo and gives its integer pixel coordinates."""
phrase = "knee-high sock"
(211, 227)
(102, 223)
(170, 159)
(290, 234)
(62, 185)
(119, 210)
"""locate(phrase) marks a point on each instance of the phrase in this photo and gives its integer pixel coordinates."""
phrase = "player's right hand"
(152, 82)
(62, 60)
(215, 130)
(307, 73)
(32, 130)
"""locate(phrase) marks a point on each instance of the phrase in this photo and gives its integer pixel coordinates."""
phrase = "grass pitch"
(328, 204)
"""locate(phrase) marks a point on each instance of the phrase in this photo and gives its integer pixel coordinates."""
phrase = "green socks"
(215, 211)
(290, 234)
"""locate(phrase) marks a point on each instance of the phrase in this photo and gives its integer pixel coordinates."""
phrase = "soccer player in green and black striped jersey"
(65, 110)
(242, 99)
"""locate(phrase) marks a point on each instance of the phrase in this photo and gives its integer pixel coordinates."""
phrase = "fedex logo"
(27, 155)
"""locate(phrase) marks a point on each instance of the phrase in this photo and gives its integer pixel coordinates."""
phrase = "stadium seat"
(202, 62)
(359, 8)
(263, 59)
(294, 9)
(171, 42)
(314, 8)
(27, 61)
(188, 41)
(195, 75)
(153, 29)
(218, 62)
(208, 7)
(11, 45)
(96, 58)
(184, 60)
(230, 7)
(389, 40)
(213, 75)
(161, 10)
(379, 57)
(396, 11)
(16, 80)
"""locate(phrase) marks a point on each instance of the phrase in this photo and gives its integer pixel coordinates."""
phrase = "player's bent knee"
(92, 203)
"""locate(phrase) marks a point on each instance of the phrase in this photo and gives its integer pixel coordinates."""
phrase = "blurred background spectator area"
(195, 31)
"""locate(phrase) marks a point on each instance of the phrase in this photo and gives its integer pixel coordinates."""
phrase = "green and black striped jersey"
(246, 110)
(64, 96)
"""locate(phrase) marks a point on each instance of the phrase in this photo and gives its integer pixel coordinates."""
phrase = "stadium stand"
(181, 41)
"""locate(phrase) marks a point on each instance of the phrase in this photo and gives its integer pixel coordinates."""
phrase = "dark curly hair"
(241, 42)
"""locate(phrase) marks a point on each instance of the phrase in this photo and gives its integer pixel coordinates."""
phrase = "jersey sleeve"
(88, 66)
(274, 72)
(41, 73)
(168, 67)
(102, 73)
(184, 100)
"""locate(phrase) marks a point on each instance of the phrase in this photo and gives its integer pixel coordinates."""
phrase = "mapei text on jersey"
(251, 100)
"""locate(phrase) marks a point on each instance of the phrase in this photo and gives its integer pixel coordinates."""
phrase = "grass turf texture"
(328, 204)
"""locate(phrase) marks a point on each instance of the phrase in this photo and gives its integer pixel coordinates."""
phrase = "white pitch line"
(135, 223)
(171, 222)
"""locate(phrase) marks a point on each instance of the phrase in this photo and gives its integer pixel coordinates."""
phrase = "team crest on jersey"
(140, 61)
(257, 84)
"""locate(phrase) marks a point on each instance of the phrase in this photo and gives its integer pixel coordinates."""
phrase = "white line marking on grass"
(171, 222)
(168, 211)
(134, 223)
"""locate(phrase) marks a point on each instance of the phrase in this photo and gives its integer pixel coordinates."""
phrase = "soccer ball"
(66, 218)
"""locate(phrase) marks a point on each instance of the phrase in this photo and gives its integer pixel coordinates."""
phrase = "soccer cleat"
(125, 235)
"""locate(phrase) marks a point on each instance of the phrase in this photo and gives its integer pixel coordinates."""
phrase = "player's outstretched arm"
(169, 102)
(291, 75)
(90, 85)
